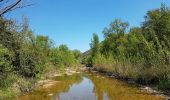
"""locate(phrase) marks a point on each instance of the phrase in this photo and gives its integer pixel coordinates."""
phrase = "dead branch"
(9, 7)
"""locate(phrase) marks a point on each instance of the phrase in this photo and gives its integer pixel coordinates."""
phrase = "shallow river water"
(89, 86)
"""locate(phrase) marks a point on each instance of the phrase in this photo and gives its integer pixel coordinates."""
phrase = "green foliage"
(77, 54)
(164, 84)
(140, 53)
(94, 48)
(30, 61)
(117, 27)
(62, 56)
(6, 74)
(5, 60)
(25, 55)
(8, 80)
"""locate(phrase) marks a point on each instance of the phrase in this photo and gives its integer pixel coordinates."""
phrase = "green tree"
(116, 27)
(158, 21)
(77, 54)
(94, 46)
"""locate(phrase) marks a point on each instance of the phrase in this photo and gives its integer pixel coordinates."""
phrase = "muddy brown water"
(89, 86)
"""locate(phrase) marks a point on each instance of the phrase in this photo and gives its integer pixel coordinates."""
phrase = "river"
(89, 86)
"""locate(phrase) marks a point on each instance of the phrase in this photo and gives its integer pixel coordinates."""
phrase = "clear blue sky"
(73, 22)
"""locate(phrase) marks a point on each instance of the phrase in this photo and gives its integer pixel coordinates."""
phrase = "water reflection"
(109, 89)
(89, 87)
(53, 93)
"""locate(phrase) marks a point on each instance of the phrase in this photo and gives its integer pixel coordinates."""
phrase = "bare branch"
(19, 7)
(9, 7)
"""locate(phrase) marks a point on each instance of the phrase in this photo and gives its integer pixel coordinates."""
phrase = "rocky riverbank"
(47, 81)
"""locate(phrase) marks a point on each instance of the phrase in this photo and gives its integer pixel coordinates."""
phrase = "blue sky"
(73, 22)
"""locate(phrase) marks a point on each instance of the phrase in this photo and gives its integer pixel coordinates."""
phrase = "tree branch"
(18, 7)
(8, 8)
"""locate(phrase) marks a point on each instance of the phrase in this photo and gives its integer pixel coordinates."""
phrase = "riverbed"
(89, 86)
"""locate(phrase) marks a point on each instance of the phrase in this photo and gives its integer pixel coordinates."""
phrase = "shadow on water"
(89, 86)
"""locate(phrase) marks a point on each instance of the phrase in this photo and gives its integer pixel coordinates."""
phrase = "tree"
(116, 27)
(63, 57)
(95, 49)
(10, 38)
(115, 38)
(77, 53)
(43, 43)
(94, 45)
(158, 22)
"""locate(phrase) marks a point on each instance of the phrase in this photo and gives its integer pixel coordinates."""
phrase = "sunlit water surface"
(89, 86)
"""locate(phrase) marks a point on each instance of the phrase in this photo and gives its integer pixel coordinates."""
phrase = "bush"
(5, 60)
(6, 68)
(7, 80)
